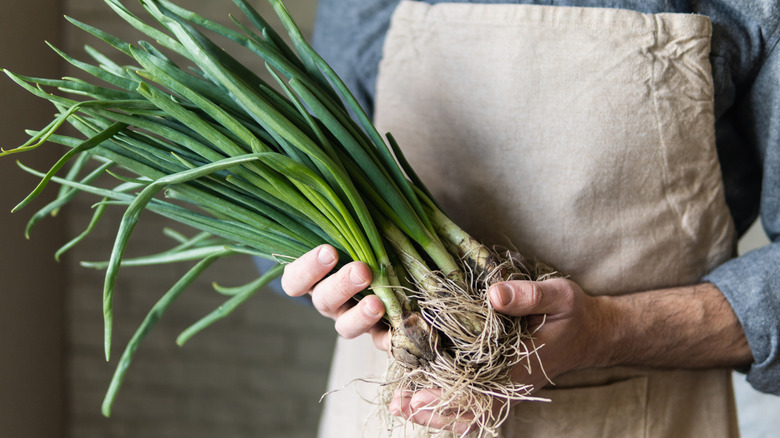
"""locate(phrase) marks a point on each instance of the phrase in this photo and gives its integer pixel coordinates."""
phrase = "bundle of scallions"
(189, 133)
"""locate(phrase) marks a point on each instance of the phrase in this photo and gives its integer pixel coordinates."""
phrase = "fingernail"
(501, 294)
(373, 309)
(325, 256)
(356, 277)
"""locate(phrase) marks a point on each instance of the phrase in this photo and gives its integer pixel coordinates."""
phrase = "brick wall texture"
(258, 373)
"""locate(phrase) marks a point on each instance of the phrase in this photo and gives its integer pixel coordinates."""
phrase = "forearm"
(685, 327)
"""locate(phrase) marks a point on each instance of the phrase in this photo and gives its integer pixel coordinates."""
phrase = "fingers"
(309, 274)
(381, 336)
(420, 408)
(330, 294)
(522, 298)
(302, 274)
(361, 318)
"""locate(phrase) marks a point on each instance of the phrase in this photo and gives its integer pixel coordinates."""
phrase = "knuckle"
(568, 295)
(333, 292)
(323, 304)
(533, 295)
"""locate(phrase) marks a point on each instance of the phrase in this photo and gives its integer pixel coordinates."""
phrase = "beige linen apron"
(583, 136)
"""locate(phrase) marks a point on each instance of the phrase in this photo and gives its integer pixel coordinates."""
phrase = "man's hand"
(332, 294)
(568, 321)
(687, 327)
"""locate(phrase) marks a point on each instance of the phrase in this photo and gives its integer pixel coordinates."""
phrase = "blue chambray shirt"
(746, 73)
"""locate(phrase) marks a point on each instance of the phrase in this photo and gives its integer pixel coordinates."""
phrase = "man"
(727, 319)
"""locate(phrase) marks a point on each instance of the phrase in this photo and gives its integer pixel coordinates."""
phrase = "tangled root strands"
(472, 370)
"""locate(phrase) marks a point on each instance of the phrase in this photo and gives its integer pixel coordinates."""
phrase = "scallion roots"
(476, 348)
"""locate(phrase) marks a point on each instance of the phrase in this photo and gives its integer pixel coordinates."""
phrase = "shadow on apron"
(584, 137)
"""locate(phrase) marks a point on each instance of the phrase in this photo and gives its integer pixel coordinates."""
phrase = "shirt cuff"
(751, 284)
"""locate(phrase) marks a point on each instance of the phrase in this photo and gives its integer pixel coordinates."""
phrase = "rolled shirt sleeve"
(751, 282)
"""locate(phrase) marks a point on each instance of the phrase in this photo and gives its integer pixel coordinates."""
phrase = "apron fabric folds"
(581, 136)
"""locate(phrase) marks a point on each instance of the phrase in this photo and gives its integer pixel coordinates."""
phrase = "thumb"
(522, 298)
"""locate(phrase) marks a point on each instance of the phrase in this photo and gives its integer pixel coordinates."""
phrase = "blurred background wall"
(258, 373)
(32, 285)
